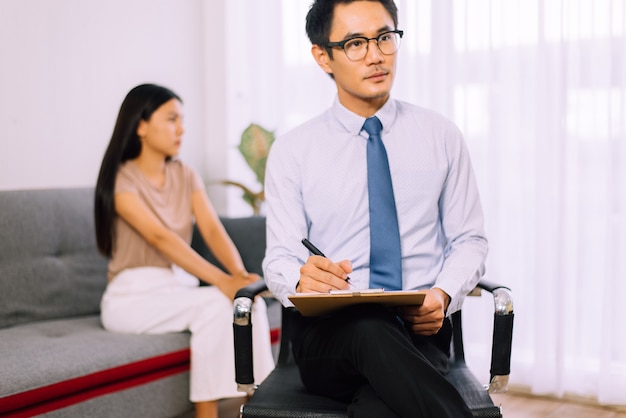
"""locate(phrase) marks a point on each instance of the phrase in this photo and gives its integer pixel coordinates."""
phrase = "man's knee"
(374, 322)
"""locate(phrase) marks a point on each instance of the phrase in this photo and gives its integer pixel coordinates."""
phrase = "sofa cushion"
(49, 264)
(64, 358)
(166, 397)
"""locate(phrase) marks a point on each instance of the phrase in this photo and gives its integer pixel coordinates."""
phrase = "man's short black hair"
(320, 18)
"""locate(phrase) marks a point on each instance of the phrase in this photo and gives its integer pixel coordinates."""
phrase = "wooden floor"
(526, 406)
(513, 406)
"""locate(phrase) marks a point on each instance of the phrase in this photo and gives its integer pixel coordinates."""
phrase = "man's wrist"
(446, 298)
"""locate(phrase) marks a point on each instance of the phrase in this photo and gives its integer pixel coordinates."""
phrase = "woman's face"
(162, 133)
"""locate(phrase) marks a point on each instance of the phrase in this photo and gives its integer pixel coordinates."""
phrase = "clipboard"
(317, 304)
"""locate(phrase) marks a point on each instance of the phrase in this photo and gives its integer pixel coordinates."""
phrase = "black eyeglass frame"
(342, 44)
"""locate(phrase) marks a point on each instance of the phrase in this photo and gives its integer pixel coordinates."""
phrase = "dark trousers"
(364, 355)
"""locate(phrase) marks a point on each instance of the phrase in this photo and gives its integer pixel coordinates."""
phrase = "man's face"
(363, 85)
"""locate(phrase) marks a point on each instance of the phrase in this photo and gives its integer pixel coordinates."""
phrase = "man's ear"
(321, 57)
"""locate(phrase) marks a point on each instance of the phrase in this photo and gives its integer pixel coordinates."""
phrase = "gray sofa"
(55, 357)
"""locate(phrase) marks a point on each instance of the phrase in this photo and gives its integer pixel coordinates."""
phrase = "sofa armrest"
(242, 332)
(502, 335)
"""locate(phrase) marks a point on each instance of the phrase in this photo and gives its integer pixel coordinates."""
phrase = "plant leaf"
(255, 146)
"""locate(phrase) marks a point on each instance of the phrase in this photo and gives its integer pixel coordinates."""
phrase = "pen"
(316, 251)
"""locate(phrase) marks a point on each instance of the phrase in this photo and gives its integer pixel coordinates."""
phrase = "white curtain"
(539, 89)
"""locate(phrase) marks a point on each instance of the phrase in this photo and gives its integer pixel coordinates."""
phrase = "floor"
(526, 406)
(513, 406)
(229, 408)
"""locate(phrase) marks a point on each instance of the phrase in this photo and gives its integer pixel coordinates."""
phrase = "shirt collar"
(353, 123)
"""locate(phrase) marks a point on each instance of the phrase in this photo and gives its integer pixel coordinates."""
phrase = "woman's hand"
(232, 283)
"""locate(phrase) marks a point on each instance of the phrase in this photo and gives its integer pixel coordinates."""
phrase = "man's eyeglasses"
(356, 48)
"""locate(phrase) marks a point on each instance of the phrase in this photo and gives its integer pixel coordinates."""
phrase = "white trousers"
(152, 300)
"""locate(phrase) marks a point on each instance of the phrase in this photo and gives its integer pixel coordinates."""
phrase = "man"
(320, 185)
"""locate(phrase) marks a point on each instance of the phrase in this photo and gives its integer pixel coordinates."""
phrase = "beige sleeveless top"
(170, 203)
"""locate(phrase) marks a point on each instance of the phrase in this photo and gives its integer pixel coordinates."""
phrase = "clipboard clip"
(356, 292)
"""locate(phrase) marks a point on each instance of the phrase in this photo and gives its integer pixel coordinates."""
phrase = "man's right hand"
(321, 275)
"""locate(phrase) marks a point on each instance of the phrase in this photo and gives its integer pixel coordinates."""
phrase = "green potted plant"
(254, 146)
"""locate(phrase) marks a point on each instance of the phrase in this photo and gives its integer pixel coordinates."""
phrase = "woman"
(145, 204)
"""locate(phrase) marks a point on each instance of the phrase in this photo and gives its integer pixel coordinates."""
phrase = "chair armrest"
(242, 333)
(502, 335)
(252, 290)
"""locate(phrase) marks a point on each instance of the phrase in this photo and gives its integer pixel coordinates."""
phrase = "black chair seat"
(282, 395)
(283, 387)
(472, 391)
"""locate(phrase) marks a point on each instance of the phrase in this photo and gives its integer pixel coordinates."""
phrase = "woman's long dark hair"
(140, 103)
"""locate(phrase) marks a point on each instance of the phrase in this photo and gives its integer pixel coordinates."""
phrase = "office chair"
(282, 394)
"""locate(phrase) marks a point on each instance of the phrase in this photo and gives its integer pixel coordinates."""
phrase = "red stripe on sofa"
(275, 336)
(79, 389)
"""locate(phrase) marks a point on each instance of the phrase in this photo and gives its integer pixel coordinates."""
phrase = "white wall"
(66, 65)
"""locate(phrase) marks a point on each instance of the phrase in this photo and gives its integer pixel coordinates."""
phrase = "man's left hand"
(426, 319)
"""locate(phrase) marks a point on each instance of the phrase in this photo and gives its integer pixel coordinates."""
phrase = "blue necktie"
(385, 254)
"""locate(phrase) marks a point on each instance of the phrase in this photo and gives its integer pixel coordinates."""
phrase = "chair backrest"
(457, 352)
(285, 354)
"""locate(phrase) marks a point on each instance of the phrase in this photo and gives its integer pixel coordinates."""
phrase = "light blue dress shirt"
(316, 188)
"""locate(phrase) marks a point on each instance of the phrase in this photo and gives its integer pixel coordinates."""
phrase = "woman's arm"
(215, 235)
(135, 212)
